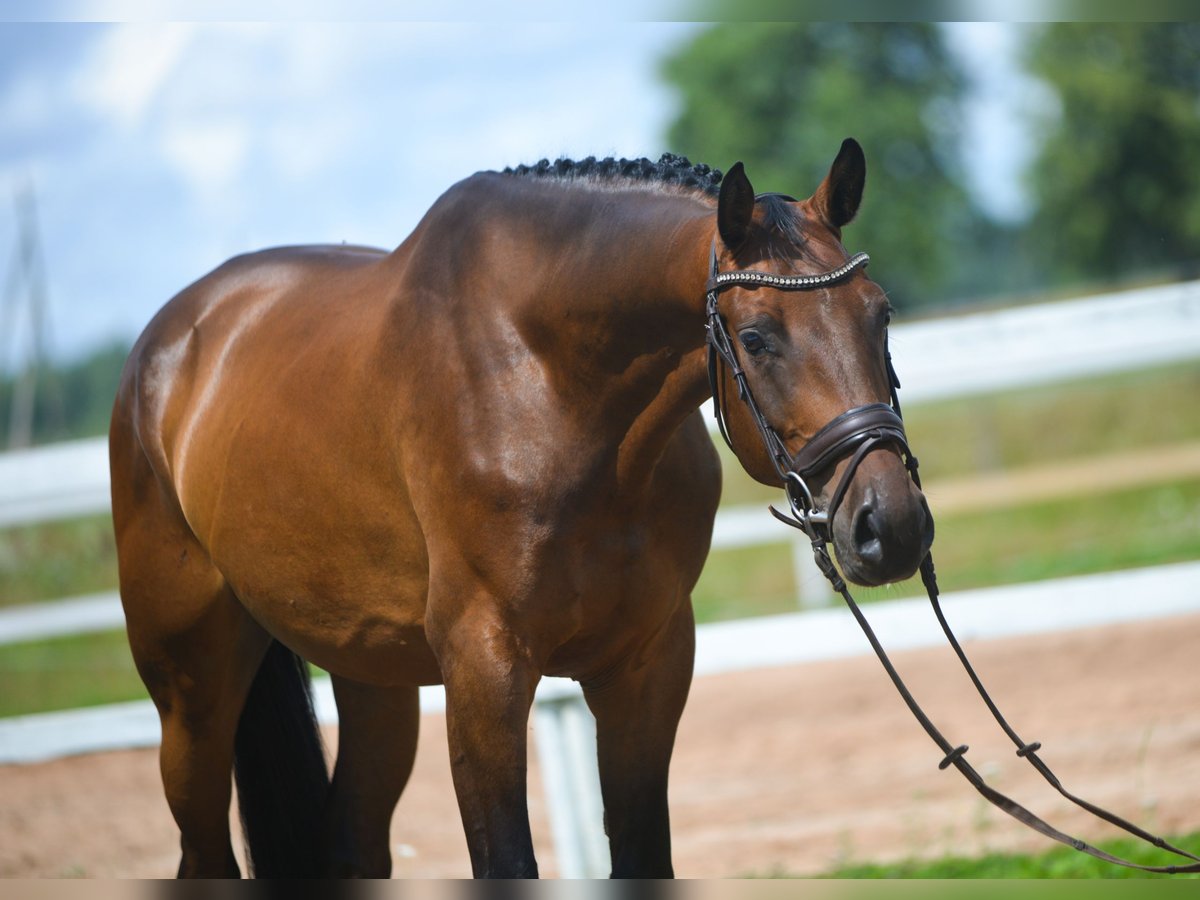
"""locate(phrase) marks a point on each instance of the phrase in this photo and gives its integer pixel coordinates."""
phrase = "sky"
(154, 151)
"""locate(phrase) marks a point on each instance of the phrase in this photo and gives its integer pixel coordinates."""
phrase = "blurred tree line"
(1118, 177)
(1115, 181)
(70, 401)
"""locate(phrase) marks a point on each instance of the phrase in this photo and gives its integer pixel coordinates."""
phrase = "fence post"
(565, 733)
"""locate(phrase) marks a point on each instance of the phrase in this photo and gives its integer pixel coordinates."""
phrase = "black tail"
(279, 763)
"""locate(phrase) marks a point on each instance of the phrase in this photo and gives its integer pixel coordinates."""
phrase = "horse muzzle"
(884, 529)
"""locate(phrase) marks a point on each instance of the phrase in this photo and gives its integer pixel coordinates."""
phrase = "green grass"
(1106, 531)
(68, 672)
(754, 581)
(53, 560)
(1059, 862)
(1030, 427)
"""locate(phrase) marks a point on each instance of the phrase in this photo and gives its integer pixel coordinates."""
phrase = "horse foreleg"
(490, 682)
(377, 743)
(637, 710)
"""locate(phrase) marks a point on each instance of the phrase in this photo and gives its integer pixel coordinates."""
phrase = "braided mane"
(782, 223)
(670, 170)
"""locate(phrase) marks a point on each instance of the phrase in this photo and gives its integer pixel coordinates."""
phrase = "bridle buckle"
(804, 512)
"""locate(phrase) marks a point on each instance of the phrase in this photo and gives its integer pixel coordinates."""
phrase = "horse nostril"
(866, 535)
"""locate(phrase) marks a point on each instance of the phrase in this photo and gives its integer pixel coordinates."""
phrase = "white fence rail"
(60, 481)
(966, 354)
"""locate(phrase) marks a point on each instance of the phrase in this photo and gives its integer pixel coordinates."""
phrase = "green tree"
(1117, 178)
(71, 400)
(782, 96)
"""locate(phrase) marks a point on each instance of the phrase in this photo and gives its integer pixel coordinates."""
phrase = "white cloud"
(210, 155)
(129, 68)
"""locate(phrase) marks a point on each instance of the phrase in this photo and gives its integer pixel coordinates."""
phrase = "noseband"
(855, 433)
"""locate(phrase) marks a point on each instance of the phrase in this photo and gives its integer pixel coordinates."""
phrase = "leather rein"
(855, 433)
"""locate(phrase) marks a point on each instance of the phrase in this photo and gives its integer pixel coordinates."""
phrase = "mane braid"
(670, 170)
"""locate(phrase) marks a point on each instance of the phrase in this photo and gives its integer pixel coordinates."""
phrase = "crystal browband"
(788, 282)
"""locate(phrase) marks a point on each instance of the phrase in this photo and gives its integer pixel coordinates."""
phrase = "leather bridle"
(854, 434)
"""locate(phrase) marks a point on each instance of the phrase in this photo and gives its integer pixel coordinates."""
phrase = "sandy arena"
(781, 771)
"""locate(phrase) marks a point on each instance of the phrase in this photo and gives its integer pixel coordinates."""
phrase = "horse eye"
(753, 342)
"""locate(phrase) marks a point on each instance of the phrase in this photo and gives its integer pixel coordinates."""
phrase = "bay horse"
(474, 461)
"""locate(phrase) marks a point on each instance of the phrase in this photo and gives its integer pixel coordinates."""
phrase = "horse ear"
(839, 195)
(735, 206)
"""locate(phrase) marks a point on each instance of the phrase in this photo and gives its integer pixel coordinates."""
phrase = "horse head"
(802, 333)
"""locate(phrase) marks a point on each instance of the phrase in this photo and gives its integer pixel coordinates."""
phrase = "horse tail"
(279, 766)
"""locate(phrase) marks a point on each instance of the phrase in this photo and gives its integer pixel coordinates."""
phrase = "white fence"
(966, 354)
(61, 481)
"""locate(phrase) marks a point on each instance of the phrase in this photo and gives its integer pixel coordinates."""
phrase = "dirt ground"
(778, 771)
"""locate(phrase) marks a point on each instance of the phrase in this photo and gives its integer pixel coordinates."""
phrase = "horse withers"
(474, 461)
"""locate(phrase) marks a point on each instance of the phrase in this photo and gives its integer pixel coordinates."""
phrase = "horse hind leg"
(377, 743)
(197, 650)
(195, 646)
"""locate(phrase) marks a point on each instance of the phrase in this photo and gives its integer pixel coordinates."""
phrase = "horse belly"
(325, 551)
(380, 647)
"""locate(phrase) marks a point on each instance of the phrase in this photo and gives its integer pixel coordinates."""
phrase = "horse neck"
(620, 307)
